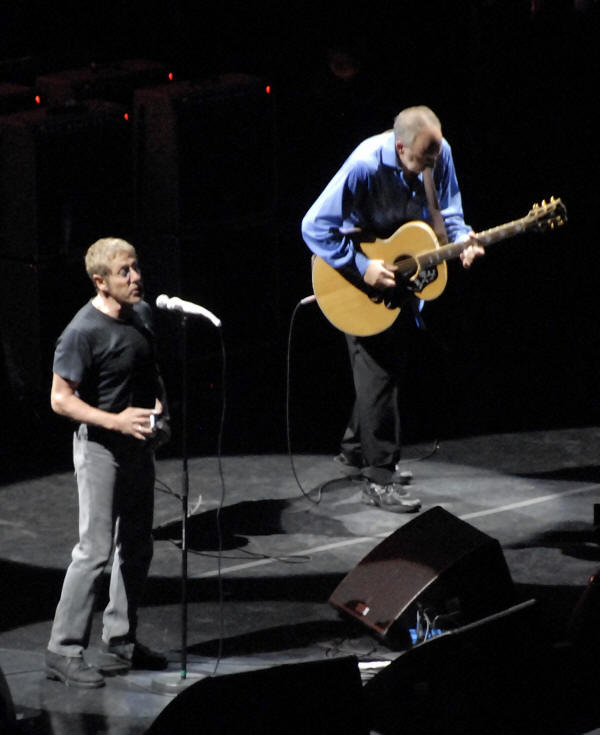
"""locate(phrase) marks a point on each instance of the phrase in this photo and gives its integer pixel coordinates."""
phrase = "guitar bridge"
(423, 278)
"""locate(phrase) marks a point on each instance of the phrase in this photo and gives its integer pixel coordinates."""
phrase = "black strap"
(434, 207)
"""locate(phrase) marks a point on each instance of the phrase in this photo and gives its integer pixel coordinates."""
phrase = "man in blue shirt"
(379, 188)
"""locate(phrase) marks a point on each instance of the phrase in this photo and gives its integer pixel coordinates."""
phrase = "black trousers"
(373, 436)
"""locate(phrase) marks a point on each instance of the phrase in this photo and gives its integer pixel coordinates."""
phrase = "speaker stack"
(205, 155)
(206, 225)
(115, 82)
(65, 180)
(206, 188)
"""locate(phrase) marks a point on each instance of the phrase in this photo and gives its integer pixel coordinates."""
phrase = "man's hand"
(132, 421)
(380, 275)
(474, 250)
(136, 422)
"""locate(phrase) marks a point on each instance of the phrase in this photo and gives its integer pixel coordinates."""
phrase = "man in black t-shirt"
(106, 379)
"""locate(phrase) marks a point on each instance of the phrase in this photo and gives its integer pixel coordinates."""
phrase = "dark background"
(512, 345)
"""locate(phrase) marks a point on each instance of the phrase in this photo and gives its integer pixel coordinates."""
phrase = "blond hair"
(100, 254)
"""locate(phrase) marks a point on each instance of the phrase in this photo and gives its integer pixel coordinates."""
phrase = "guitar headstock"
(548, 214)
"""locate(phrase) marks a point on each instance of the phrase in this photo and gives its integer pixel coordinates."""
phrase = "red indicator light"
(171, 76)
(126, 116)
(38, 100)
(268, 89)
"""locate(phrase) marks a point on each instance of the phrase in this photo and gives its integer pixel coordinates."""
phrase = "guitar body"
(349, 308)
(415, 251)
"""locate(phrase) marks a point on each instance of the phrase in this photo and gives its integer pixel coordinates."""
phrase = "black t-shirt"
(113, 360)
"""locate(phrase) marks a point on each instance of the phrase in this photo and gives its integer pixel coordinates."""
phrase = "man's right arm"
(131, 421)
(319, 228)
(325, 225)
(329, 228)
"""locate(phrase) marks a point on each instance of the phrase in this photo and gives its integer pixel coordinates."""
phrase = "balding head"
(418, 138)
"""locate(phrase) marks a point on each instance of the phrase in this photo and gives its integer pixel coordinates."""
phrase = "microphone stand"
(174, 683)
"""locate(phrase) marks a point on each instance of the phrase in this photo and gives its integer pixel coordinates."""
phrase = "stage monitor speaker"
(8, 722)
(205, 156)
(483, 677)
(582, 626)
(312, 697)
(436, 562)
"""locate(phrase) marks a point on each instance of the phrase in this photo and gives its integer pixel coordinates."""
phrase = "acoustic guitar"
(354, 307)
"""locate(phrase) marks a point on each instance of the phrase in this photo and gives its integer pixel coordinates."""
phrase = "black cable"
(287, 409)
(162, 487)
(245, 553)
(422, 458)
(427, 455)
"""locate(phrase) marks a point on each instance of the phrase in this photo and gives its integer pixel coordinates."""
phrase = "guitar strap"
(434, 207)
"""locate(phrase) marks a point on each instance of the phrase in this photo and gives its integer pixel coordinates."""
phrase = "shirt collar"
(388, 151)
(390, 158)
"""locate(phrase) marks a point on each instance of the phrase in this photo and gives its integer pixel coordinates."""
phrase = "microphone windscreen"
(162, 301)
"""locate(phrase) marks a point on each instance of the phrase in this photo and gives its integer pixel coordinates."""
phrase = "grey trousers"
(115, 482)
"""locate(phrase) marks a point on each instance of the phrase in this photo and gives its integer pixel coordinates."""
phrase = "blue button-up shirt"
(370, 192)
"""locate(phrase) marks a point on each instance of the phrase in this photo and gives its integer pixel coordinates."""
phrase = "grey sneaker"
(72, 671)
(393, 498)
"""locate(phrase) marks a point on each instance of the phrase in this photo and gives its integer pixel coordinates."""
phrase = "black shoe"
(111, 663)
(119, 659)
(393, 498)
(72, 671)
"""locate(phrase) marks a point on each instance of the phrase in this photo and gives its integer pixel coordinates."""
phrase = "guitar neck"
(432, 258)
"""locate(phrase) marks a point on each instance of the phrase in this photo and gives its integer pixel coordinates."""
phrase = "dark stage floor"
(265, 604)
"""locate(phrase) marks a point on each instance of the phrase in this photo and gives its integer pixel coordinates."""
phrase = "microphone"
(185, 307)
